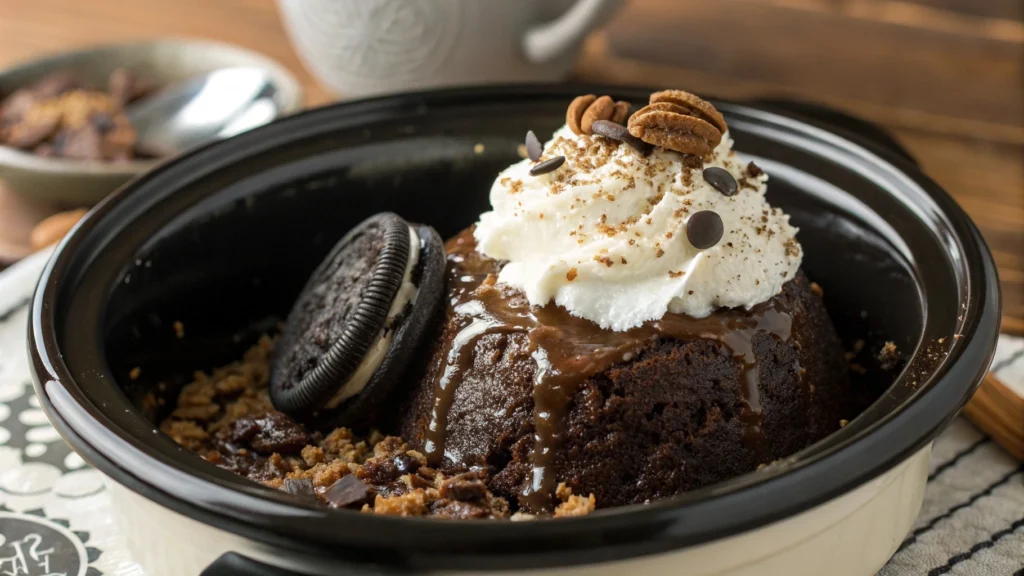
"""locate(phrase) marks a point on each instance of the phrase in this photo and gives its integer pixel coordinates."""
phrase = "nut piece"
(574, 115)
(585, 110)
(670, 126)
(694, 105)
(51, 230)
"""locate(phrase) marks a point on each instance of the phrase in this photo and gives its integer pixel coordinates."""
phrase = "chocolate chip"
(533, 147)
(704, 229)
(547, 166)
(302, 489)
(347, 491)
(721, 180)
(615, 131)
(753, 170)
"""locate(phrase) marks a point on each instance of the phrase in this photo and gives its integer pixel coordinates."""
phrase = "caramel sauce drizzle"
(568, 350)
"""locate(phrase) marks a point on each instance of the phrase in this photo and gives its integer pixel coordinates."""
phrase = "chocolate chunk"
(405, 464)
(546, 166)
(721, 180)
(379, 471)
(302, 489)
(242, 430)
(753, 170)
(456, 510)
(704, 229)
(466, 487)
(615, 131)
(533, 147)
(271, 432)
(348, 491)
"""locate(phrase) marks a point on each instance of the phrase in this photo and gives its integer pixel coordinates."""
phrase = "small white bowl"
(84, 182)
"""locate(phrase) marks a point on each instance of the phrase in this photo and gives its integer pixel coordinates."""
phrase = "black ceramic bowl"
(221, 239)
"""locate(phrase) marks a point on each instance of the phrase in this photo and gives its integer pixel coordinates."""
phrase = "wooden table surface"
(944, 76)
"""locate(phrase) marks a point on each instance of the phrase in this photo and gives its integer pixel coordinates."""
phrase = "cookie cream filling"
(405, 296)
(605, 235)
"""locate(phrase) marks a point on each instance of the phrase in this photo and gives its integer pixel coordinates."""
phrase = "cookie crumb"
(135, 373)
(843, 423)
(571, 274)
(816, 290)
(478, 148)
(889, 356)
(179, 329)
(576, 506)
(412, 504)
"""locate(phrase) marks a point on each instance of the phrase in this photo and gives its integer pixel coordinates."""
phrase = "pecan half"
(671, 126)
(585, 110)
(694, 105)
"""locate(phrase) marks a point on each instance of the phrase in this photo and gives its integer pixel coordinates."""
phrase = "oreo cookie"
(358, 322)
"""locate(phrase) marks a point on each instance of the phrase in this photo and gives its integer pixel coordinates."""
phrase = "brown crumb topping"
(573, 505)
(889, 356)
(227, 418)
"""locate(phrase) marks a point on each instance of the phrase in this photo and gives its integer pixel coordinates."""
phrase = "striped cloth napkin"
(972, 521)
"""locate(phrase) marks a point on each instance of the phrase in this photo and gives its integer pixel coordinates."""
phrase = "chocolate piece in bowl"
(357, 323)
(59, 116)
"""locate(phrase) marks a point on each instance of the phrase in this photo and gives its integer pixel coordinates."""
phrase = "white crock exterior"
(852, 535)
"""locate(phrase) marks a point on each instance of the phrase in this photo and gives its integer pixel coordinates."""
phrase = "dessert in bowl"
(671, 406)
(627, 322)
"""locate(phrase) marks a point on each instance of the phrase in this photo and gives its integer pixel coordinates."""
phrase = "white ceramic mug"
(361, 47)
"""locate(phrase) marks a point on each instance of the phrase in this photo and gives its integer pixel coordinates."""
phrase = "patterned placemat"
(56, 518)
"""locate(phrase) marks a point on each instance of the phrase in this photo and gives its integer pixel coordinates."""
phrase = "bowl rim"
(617, 533)
(292, 102)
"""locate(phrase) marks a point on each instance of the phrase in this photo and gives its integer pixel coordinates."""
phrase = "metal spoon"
(219, 104)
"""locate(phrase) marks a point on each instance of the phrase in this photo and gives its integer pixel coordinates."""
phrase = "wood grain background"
(946, 77)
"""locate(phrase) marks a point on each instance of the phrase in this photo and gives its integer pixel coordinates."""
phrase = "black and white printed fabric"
(56, 516)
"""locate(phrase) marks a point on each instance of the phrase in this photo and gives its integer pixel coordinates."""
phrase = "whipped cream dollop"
(604, 236)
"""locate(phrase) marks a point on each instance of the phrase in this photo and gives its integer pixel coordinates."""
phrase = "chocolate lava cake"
(667, 416)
